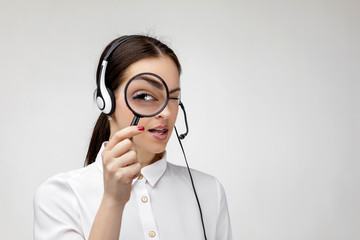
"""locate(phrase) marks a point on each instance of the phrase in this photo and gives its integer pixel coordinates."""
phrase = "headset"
(105, 100)
(104, 96)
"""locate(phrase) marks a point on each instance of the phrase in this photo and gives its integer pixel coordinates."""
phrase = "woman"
(128, 190)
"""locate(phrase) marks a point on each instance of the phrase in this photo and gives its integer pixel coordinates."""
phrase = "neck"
(146, 158)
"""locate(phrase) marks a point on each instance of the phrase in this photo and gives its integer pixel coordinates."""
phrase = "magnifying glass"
(146, 95)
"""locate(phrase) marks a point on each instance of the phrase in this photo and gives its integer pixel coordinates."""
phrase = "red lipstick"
(160, 132)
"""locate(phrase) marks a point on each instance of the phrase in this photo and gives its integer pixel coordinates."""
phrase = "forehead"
(162, 66)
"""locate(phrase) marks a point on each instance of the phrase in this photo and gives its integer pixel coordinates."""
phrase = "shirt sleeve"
(55, 211)
(223, 226)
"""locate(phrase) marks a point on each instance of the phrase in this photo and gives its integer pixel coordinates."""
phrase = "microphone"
(182, 136)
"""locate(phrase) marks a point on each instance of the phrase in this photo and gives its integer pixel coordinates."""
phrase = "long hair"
(129, 52)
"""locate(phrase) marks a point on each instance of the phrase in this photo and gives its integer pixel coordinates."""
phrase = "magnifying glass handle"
(135, 121)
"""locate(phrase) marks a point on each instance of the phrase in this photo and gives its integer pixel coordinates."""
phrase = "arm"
(56, 207)
(120, 167)
(107, 222)
(223, 228)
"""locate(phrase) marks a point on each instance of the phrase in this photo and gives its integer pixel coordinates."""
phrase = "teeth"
(159, 131)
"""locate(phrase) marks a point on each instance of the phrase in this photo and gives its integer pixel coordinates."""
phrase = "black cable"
(192, 182)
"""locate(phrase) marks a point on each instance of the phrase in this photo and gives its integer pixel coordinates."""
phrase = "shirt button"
(144, 199)
(152, 234)
(140, 177)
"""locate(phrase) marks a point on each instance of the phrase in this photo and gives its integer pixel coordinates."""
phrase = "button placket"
(146, 215)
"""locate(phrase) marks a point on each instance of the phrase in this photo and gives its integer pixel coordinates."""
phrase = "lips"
(159, 132)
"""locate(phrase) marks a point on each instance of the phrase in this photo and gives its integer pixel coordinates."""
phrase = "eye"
(143, 96)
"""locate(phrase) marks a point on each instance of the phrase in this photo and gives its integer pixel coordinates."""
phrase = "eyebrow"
(174, 90)
(156, 84)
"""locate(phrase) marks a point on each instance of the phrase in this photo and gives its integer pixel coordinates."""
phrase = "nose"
(165, 113)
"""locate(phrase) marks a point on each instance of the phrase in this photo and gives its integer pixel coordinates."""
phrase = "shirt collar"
(152, 173)
(98, 160)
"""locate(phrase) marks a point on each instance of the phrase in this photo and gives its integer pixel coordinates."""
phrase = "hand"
(120, 165)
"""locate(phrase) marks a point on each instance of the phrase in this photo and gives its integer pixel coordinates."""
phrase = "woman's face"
(158, 128)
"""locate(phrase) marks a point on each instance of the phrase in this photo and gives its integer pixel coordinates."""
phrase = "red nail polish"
(141, 128)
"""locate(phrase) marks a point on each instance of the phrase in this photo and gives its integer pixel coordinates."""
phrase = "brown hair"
(127, 53)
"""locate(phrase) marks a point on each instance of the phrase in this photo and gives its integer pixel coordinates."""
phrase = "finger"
(132, 171)
(124, 133)
(124, 160)
(121, 148)
(117, 165)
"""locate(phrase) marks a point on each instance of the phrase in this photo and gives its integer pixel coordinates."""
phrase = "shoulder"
(56, 206)
(183, 171)
(54, 199)
(202, 179)
(61, 186)
(210, 192)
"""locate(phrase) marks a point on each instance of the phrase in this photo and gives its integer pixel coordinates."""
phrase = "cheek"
(174, 117)
(174, 112)
(143, 122)
(122, 113)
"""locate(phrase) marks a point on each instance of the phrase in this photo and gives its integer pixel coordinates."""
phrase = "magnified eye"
(143, 96)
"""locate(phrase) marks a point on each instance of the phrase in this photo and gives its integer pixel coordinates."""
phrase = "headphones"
(104, 96)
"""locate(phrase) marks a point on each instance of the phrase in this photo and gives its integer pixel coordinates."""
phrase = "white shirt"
(162, 205)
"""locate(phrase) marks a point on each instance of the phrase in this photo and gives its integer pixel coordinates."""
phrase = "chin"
(155, 148)
(151, 146)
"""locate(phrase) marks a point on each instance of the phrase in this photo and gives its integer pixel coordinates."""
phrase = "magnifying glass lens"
(146, 95)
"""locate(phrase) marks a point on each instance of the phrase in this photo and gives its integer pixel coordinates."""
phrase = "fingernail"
(141, 128)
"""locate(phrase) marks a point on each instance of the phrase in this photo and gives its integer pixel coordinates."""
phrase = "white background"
(271, 90)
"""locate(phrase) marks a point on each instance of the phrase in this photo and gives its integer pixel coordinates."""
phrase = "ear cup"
(106, 101)
(105, 97)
